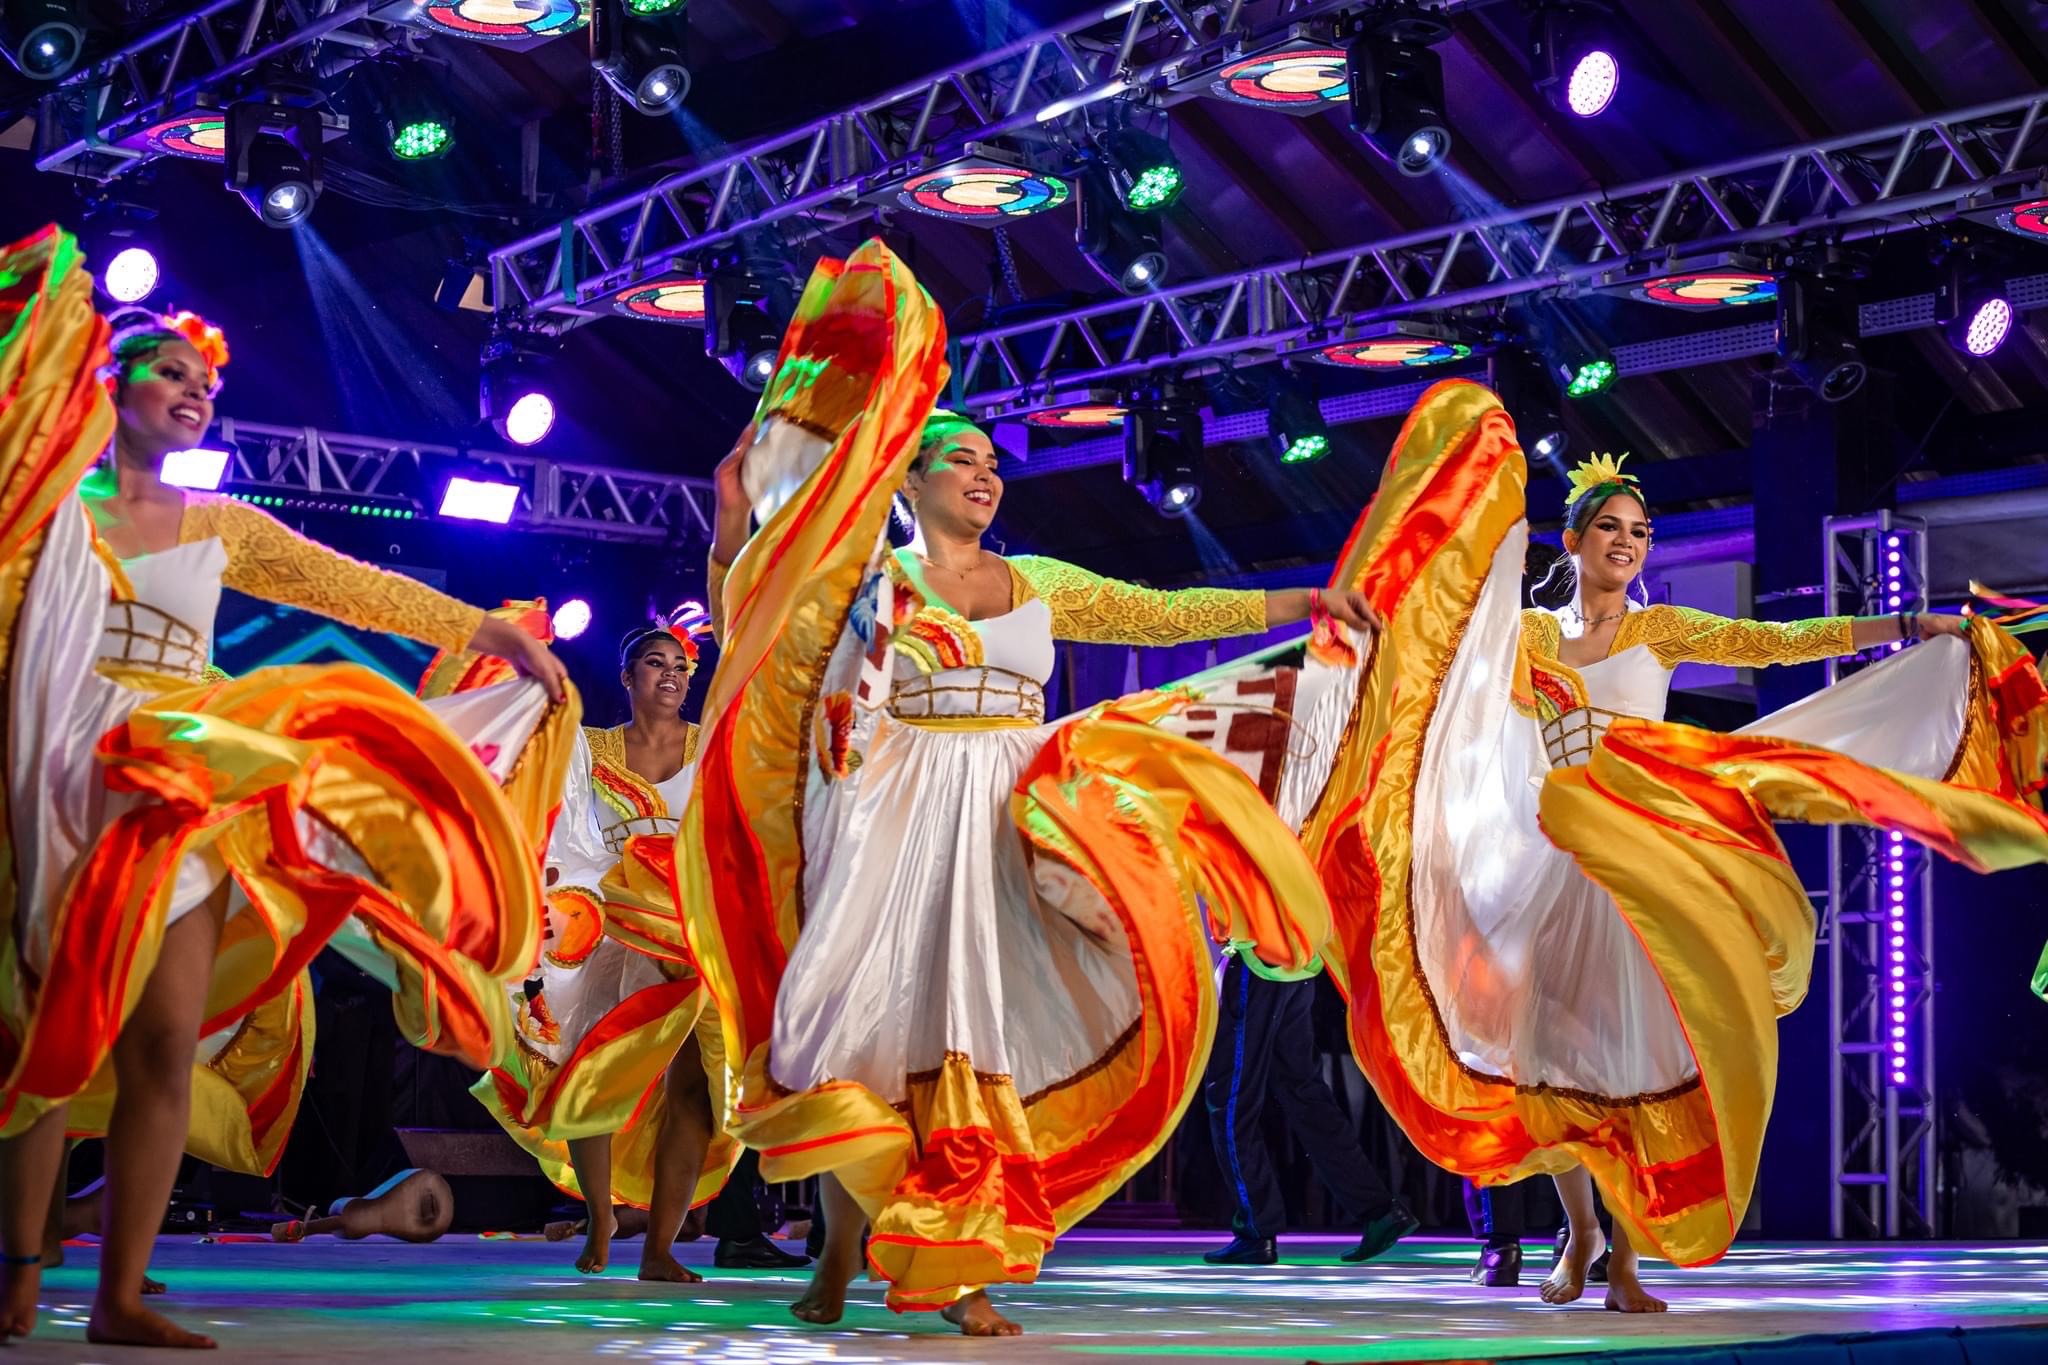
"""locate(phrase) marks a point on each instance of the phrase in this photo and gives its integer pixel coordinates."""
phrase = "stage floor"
(1104, 1297)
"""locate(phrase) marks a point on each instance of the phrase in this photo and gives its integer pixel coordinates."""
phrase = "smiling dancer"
(179, 849)
(958, 951)
(1571, 926)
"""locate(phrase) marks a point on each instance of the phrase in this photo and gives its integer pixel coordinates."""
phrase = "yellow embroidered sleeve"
(1541, 634)
(714, 592)
(1095, 610)
(1679, 635)
(268, 559)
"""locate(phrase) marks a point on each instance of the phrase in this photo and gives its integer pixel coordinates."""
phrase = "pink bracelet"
(1315, 602)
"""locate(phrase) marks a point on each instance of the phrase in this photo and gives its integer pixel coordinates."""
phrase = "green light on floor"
(1306, 449)
(1593, 377)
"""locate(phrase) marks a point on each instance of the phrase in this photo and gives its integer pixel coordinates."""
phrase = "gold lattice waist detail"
(980, 692)
(1570, 738)
(139, 636)
(615, 836)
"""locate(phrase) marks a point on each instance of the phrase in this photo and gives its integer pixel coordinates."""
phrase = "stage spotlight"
(1983, 325)
(200, 468)
(745, 312)
(638, 51)
(571, 619)
(1529, 392)
(1817, 332)
(1144, 170)
(131, 276)
(1588, 377)
(1573, 54)
(273, 159)
(42, 38)
(1124, 248)
(1397, 90)
(1162, 448)
(467, 499)
(512, 396)
(1975, 312)
(1295, 422)
(418, 137)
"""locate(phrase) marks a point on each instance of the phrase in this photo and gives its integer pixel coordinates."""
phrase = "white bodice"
(1008, 683)
(168, 627)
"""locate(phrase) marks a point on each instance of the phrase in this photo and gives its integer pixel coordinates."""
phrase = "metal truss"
(555, 497)
(1877, 926)
(1837, 189)
(1035, 90)
(188, 61)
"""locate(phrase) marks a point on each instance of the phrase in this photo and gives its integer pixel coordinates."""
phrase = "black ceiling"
(335, 326)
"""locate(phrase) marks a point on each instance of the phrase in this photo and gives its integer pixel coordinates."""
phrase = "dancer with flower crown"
(958, 951)
(1569, 926)
(177, 848)
(618, 1085)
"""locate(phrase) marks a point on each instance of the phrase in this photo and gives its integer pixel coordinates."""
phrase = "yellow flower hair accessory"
(1588, 475)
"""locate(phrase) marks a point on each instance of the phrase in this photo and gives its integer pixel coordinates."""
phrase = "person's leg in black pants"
(735, 1220)
(1497, 1215)
(1265, 1041)
(1234, 1087)
(1322, 1127)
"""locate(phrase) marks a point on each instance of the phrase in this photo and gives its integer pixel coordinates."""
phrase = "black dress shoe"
(1383, 1231)
(757, 1253)
(1499, 1267)
(1596, 1273)
(1245, 1251)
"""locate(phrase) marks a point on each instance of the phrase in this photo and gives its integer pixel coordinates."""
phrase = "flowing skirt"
(1584, 965)
(964, 969)
(317, 795)
(614, 997)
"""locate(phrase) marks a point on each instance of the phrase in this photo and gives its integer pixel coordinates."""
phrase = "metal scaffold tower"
(1877, 928)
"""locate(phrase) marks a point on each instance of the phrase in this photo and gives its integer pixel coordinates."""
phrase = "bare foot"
(975, 1316)
(825, 1301)
(134, 1325)
(1568, 1280)
(1625, 1292)
(150, 1286)
(564, 1230)
(658, 1263)
(19, 1285)
(291, 1230)
(597, 1245)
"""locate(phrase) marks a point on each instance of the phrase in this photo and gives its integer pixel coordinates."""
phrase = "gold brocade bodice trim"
(1681, 635)
(998, 695)
(138, 636)
(1091, 609)
(624, 792)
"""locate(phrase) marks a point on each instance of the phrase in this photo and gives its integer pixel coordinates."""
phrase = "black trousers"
(1497, 1214)
(735, 1215)
(1265, 1045)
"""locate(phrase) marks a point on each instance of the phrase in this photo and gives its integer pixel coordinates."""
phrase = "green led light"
(653, 6)
(420, 139)
(1155, 189)
(1593, 376)
(1306, 448)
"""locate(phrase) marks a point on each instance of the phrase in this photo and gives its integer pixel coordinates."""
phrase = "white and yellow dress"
(1566, 927)
(615, 996)
(135, 785)
(957, 950)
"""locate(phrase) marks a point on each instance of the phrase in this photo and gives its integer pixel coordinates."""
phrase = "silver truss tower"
(1877, 928)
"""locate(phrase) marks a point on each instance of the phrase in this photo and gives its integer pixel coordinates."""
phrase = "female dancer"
(1587, 909)
(180, 849)
(619, 1011)
(956, 949)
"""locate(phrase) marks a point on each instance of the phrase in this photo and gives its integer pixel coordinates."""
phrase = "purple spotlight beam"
(1989, 326)
(131, 276)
